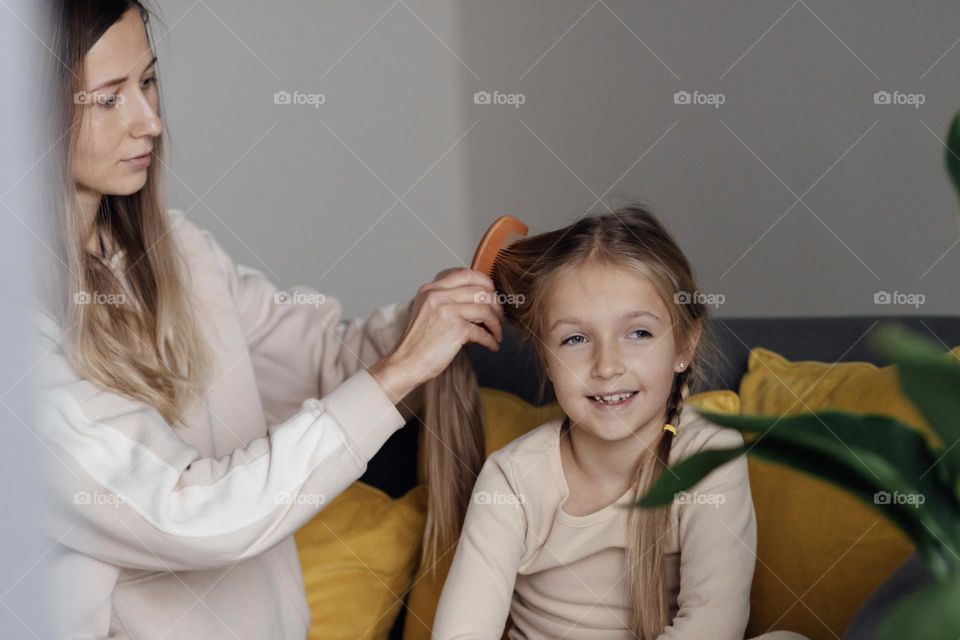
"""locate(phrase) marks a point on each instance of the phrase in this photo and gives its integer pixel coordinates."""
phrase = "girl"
(550, 536)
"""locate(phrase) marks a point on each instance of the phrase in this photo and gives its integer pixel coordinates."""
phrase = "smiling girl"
(550, 538)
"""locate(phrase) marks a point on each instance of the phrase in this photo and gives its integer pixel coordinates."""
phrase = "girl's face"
(119, 111)
(610, 350)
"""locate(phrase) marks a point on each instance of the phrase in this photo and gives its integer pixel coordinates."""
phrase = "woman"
(196, 416)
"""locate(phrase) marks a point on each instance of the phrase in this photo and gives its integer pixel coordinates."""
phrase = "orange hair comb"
(504, 231)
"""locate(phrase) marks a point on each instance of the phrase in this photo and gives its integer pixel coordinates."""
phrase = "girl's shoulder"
(527, 467)
(533, 443)
(696, 434)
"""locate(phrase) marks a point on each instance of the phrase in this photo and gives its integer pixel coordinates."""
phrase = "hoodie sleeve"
(300, 345)
(126, 490)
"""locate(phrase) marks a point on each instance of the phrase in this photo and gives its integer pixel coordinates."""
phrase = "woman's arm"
(300, 344)
(475, 602)
(718, 541)
(132, 493)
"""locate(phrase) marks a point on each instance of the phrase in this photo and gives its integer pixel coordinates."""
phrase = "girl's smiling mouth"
(611, 400)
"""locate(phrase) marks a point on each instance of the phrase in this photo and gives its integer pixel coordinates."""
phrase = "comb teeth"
(508, 240)
(504, 231)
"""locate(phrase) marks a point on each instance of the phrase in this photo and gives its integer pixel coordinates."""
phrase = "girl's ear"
(687, 356)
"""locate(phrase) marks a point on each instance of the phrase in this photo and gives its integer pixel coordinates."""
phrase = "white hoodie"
(187, 532)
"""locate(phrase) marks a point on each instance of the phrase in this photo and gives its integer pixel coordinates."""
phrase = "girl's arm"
(475, 602)
(718, 540)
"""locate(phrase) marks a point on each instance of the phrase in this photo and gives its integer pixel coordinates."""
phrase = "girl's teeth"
(613, 399)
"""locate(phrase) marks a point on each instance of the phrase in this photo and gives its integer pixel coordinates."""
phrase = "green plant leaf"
(928, 614)
(863, 455)
(864, 439)
(686, 474)
(931, 380)
(952, 153)
(693, 469)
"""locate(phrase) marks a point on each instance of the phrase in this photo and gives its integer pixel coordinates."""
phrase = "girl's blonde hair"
(145, 344)
(524, 274)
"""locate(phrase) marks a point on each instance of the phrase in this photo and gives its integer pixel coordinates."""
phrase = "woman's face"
(610, 350)
(119, 111)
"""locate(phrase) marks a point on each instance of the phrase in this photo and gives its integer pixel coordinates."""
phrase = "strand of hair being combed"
(454, 451)
(454, 443)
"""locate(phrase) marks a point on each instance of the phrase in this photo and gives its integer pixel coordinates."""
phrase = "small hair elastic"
(669, 427)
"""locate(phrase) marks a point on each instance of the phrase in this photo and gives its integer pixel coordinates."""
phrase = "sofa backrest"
(514, 368)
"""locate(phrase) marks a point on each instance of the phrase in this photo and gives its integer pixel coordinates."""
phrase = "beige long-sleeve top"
(558, 575)
(187, 533)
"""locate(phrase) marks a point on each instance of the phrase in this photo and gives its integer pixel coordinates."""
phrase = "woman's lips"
(140, 162)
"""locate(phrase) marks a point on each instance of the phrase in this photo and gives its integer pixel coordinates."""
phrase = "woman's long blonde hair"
(453, 436)
(146, 343)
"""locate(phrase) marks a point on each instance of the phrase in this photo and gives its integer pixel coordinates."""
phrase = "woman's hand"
(458, 307)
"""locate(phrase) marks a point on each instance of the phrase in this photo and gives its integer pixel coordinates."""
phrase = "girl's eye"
(578, 339)
(148, 81)
(109, 102)
(641, 333)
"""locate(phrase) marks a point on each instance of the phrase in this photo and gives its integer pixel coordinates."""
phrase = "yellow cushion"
(821, 552)
(507, 417)
(358, 556)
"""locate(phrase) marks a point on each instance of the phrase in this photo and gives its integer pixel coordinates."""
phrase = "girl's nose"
(608, 362)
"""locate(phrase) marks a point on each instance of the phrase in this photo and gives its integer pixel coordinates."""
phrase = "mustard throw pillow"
(507, 417)
(821, 552)
(358, 556)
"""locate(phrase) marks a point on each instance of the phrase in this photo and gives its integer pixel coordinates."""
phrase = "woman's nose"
(143, 119)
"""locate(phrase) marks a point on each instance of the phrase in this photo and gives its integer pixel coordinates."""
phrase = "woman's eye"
(641, 333)
(109, 102)
(573, 340)
(148, 81)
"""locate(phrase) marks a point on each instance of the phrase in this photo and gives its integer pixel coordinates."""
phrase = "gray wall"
(310, 195)
(25, 605)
